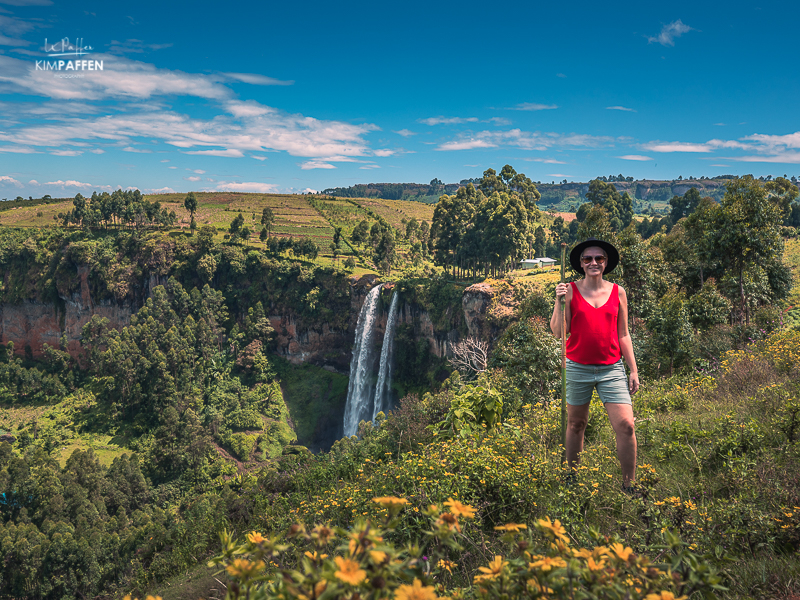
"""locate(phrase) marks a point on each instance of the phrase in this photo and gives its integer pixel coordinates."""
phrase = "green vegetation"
(130, 466)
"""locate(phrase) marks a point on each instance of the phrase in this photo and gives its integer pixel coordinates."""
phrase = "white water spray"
(385, 373)
(359, 392)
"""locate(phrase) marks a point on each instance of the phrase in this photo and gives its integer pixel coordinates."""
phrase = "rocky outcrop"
(323, 346)
(477, 299)
(32, 324)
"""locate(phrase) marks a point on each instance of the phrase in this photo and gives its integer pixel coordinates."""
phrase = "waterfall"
(359, 392)
(385, 373)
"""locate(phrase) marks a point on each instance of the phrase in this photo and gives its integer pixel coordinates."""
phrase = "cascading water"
(359, 390)
(385, 372)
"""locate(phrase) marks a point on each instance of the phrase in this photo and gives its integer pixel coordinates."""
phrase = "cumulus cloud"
(635, 157)
(669, 32)
(193, 178)
(163, 190)
(66, 152)
(8, 180)
(405, 132)
(70, 183)
(137, 150)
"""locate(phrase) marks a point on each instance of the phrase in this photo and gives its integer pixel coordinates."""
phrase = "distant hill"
(563, 196)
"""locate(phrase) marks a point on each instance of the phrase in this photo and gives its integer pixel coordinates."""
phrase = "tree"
(190, 204)
(267, 220)
(683, 206)
(747, 231)
(618, 206)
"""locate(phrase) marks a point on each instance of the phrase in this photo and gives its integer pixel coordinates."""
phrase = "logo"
(64, 48)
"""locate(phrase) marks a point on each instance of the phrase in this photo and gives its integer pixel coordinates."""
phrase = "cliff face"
(33, 324)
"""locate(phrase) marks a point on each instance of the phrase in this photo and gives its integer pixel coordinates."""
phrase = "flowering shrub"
(326, 562)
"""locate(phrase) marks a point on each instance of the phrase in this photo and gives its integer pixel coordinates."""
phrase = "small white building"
(547, 262)
(529, 263)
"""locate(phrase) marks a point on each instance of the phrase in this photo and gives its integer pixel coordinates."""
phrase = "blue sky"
(290, 97)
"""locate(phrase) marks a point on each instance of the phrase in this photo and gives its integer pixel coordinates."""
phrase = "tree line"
(120, 209)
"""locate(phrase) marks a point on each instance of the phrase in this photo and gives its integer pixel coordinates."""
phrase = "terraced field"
(394, 211)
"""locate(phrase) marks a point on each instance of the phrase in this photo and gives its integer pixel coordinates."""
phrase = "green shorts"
(610, 380)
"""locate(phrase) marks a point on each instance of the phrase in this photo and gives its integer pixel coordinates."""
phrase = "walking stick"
(563, 357)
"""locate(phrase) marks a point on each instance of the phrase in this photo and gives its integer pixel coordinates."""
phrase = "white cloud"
(789, 158)
(18, 149)
(6, 179)
(97, 151)
(256, 79)
(166, 160)
(257, 157)
(164, 190)
(247, 186)
(547, 161)
(405, 132)
(370, 167)
(66, 152)
(230, 152)
(533, 106)
(309, 191)
(469, 144)
(316, 164)
(558, 175)
(525, 140)
(70, 183)
(120, 78)
(137, 150)
(383, 153)
(708, 146)
(172, 167)
(198, 171)
(448, 120)
(500, 121)
(193, 178)
(791, 140)
(635, 157)
(670, 32)
(623, 108)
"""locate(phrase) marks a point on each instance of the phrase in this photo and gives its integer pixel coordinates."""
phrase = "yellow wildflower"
(459, 509)
(447, 565)
(664, 595)
(415, 591)
(595, 566)
(377, 556)
(548, 562)
(390, 501)
(255, 538)
(243, 568)
(514, 527)
(621, 552)
(555, 528)
(349, 571)
(492, 571)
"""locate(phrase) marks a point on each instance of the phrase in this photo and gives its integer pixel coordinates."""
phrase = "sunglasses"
(587, 260)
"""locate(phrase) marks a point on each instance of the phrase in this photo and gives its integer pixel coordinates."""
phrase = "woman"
(597, 325)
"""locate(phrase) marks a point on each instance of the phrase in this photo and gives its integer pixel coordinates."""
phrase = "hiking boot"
(632, 490)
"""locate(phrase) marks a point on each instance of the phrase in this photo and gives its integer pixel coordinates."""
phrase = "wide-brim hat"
(611, 252)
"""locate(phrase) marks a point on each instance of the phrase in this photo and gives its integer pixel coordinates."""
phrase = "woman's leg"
(577, 417)
(621, 416)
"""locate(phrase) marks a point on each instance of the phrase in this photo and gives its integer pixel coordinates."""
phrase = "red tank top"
(593, 334)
